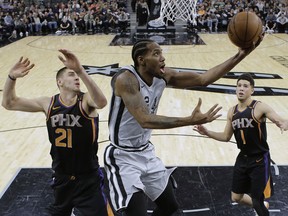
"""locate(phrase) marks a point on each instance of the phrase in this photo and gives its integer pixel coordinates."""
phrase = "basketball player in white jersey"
(247, 120)
(133, 170)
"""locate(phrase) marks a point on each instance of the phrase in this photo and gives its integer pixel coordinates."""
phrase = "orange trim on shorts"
(267, 190)
(109, 210)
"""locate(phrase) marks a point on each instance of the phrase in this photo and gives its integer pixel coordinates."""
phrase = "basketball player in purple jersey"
(72, 123)
(247, 120)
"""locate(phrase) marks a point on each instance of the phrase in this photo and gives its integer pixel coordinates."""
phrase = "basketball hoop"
(178, 9)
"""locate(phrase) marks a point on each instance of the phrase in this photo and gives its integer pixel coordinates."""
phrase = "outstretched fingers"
(30, 67)
(198, 104)
(213, 113)
(61, 59)
(65, 53)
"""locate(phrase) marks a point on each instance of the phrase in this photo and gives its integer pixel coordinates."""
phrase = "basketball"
(244, 28)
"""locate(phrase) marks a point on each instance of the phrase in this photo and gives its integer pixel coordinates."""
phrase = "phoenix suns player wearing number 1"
(247, 120)
(72, 123)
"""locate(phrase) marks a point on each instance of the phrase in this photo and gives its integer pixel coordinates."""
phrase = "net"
(178, 9)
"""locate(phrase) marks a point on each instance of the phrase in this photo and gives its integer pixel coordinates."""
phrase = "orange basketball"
(244, 29)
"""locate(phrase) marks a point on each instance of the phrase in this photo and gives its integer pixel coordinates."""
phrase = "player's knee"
(236, 197)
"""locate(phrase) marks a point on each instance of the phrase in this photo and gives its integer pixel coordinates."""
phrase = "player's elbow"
(226, 138)
(144, 122)
(203, 81)
(7, 104)
(10, 103)
(102, 103)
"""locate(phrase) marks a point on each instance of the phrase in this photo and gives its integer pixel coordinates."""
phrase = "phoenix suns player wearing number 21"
(72, 123)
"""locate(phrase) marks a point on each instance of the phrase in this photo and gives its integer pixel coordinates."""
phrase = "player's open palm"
(198, 117)
(21, 68)
(70, 60)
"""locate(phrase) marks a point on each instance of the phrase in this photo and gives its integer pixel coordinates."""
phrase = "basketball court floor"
(204, 165)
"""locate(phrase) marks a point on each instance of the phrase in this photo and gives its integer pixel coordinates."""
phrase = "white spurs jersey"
(124, 131)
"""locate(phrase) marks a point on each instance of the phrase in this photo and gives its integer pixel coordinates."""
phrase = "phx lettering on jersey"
(68, 120)
(242, 123)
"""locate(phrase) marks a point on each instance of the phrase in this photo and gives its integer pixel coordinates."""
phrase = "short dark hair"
(248, 77)
(140, 48)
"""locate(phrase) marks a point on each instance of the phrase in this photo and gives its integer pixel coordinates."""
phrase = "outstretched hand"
(200, 129)
(248, 50)
(283, 125)
(70, 60)
(198, 117)
(21, 68)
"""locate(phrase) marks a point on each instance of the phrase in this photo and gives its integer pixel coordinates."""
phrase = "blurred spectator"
(133, 5)
(212, 21)
(20, 27)
(38, 25)
(282, 23)
(89, 20)
(123, 21)
(79, 24)
(142, 11)
(270, 25)
(44, 23)
(98, 24)
(65, 26)
(52, 20)
(9, 21)
(113, 21)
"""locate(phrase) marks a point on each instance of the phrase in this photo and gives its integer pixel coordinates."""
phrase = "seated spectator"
(123, 21)
(202, 24)
(212, 21)
(89, 20)
(13, 36)
(98, 24)
(113, 21)
(80, 24)
(65, 26)
(52, 21)
(44, 23)
(270, 25)
(38, 25)
(282, 23)
(9, 21)
(31, 23)
(20, 27)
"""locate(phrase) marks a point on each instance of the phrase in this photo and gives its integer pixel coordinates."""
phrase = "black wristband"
(14, 79)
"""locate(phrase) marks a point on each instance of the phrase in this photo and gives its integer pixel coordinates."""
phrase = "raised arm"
(95, 97)
(11, 101)
(127, 87)
(264, 110)
(190, 79)
(224, 136)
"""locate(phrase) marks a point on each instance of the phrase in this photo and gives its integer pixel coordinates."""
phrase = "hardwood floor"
(23, 136)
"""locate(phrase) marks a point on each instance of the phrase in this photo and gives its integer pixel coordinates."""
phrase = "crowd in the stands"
(20, 19)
